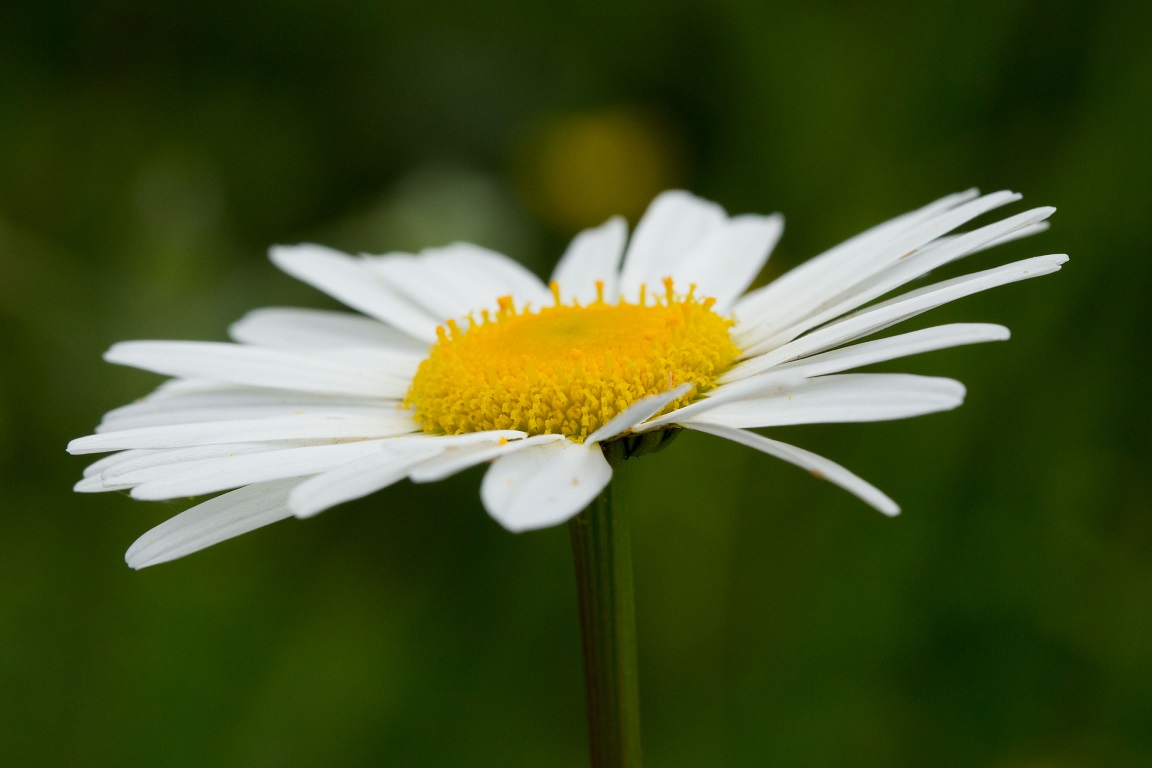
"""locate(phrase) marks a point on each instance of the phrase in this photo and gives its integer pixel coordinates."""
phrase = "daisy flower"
(460, 357)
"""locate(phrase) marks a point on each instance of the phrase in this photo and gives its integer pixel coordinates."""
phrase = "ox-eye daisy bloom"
(461, 356)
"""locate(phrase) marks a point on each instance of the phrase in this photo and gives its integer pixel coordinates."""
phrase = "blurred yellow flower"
(580, 169)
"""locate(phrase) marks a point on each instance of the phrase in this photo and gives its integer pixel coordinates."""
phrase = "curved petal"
(887, 313)
(291, 328)
(846, 294)
(726, 261)
(458, 279)
(96, 468)
(640, 411)
(458, 459)
(593, 255)
(213, 521)
(673, 225)
(544, 485)
(735, 391)
(373, 473)
(809, 286)
(350, 281)
(232, 471)
(510, 277)
(159, 464)
(353, 480)
(818, 466)
(234, 403)
(848, 397)
(363, 372)
(880, 350)
(306, 426)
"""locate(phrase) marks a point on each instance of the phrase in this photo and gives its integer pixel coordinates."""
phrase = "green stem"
(602, 552)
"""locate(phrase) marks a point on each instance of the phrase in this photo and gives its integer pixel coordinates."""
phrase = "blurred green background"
(150, 153)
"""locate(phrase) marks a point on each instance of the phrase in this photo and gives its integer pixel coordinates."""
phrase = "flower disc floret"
(568, 369)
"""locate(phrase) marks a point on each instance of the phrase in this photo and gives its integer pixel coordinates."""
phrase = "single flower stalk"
(459, 356)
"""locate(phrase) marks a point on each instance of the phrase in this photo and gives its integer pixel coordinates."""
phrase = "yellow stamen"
(568, 369)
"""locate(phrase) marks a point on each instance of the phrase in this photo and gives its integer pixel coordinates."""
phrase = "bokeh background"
(150, 153)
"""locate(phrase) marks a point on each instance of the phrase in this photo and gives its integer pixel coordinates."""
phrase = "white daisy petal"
(637, 413)
(594, 255)
(820, 467)
(672, 226)
(508, 276)
(367, 373)
(885, 314)
(975, 282)
(457, 459)
(159, 464)
(233, 402)
(886, 231)
(237, 412)
(354, 480)
(726, 261)
(422, 282)
(494, 274)
(456, 280)
(91, 484)
(174, 388)
(892, 348)
(212, 475)
(95, 468)
(123, 480)
(544, 485)
(727, 393)
(350, 281)
(466, 438)
(303, 427)
(213, 521)
(808, 287)
(839, 399)
(373, 473)
(177, 394)
(785, 287)
(1019, 233)
(289, 328)
(915, 265)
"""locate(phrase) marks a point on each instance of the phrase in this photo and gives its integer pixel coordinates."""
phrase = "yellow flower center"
(568, 369)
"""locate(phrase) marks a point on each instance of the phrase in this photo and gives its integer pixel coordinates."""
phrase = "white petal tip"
(120, 353)
(139, 559)
(78, 446)
(138, 555)
(515, 526)
(305, 513)
(544, 485)
(303, 510)
(287, 256)
(93, 484)
(524, 525)
(304, 506)
(279, 254)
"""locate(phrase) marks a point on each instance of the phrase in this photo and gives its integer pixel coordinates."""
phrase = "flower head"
(462, 357)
